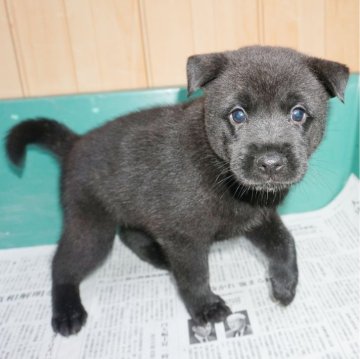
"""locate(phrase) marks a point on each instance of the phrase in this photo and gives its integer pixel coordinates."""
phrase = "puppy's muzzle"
(271, 163)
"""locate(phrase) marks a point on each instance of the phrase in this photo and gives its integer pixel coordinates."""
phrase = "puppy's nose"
(271, 162)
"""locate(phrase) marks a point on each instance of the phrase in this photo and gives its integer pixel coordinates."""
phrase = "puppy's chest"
(237, 220)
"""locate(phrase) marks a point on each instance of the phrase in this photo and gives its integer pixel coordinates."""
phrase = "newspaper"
(135, 311)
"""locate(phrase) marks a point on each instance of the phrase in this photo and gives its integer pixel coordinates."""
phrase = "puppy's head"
(265, 110)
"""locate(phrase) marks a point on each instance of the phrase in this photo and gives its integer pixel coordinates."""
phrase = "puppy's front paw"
(69, 319)
(213, 311)
(283, 281)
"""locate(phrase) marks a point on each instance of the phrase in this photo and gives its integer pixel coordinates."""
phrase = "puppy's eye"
(238, 115)
(298, 114)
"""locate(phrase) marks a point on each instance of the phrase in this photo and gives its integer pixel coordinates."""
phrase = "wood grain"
(106, 44)
(42, 46)
(10, 84)
(236, 24)
(167, 32)
(220, 25)
(203, 26)
(280, 22)
(70, 46)
(342, 32)
(311, 27)
(298, 24)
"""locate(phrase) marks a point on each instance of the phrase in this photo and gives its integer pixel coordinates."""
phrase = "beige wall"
(69, 46)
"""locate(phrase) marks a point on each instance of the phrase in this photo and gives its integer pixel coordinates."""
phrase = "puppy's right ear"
(333, 75)
(201, 69)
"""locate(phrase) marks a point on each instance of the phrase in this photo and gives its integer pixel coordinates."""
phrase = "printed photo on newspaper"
(136, 311)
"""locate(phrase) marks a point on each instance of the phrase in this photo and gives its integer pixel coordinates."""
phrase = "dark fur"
(178, 178)
(50, 134)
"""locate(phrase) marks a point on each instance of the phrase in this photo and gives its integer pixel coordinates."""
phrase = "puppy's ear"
(201, 69)
(332, 75)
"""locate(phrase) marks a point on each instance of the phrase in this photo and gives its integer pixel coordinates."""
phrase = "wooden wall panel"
(193, 26)
(311, 27)
(106, 44)
(342, 32)
(203, 26)
(298, 24)
(10, 84)
(236, 23)
(220, 25)
(167, 32)
(280, 22)
(69, 46)
(83, 45)
(43, 46)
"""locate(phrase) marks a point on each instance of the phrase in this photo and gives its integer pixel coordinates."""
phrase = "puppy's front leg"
(276, 242)
(189, 263)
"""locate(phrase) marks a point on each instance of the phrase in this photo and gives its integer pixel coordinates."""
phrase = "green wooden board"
(29, 207)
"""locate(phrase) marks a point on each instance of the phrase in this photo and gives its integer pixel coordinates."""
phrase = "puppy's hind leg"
(144, 246)
(86, 240)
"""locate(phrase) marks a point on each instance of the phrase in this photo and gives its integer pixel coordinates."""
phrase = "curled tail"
(49, 134)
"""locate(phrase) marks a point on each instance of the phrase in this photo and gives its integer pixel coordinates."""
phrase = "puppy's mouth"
(269, 183)
(269, 170)
(269, 186)
(266, 193)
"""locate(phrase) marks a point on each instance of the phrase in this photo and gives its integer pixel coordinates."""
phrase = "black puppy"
(177, 178)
